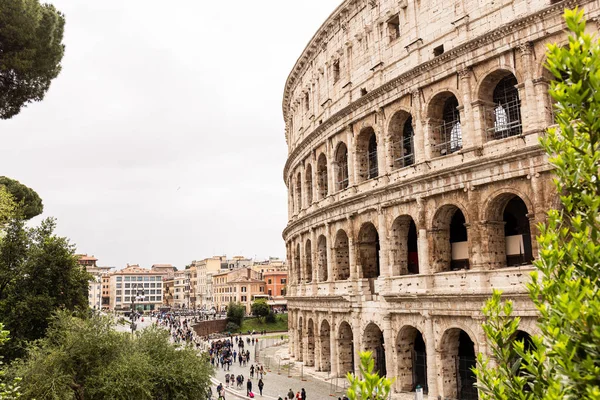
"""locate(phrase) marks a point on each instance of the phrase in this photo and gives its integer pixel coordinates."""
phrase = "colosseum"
(416, 181)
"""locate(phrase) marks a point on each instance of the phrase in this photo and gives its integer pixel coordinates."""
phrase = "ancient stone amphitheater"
(416, 181)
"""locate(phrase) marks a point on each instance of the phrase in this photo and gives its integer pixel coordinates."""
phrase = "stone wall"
(205, 328)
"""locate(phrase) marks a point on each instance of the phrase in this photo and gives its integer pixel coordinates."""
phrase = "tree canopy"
(563, 362)
(260, 308)
(39, 273)
(31, 50)
(235, 313)
(28, 201)
(87, 358)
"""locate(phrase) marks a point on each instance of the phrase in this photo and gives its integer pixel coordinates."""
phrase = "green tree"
(371, 386)
(235, 313)
(9, 388)
(564, 361)
(31, 46)
(28, 201)
(7, 206)
(260, 308)
(39, 273)
(87, 358)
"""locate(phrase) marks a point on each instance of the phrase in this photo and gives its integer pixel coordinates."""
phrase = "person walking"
(261, 384)
(291, 394)
(248, 387)
(303, 394)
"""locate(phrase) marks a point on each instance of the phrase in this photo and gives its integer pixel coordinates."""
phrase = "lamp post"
(139, 296)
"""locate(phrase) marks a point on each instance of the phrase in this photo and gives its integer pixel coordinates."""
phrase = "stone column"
(383, 145)
(385, 265)
(422, 239)
(432, 358)
(313, 256)
(358, 345)
(389, 346)
(537, 215)
(334, 347)
(469, 136)
(352, 165)
(330, 251)
(302, 262)
(418, 127)
(302, 197)
(292, 332)
(530, 115)
(331, 168)
(544, 104)
(352, 259)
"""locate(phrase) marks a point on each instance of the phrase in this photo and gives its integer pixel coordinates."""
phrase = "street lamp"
(139, 297)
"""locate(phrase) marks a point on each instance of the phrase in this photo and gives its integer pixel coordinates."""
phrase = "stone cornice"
(490, 37)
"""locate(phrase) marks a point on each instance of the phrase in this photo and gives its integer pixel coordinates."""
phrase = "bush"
(235, 313)
(232, 327)
(271, 318)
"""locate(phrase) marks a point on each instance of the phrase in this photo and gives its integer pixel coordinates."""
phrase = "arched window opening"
(374, 342)
(310, 344)
(404, 247)
(402, 140)
(300, 341)
(341, 159)
(412, 360)
(299, 192)
(528, 346)
(459, 242)
(322, 176)
(308, 261)
(368, 242)
(342, 257)
(413, 250)
(345, 349)
(466, 362)
(373, 168)
(322, 259)
(325, 335)
(517, 233)
(449, 131)
(458, 359)
(309, 185)
(507, 110)
(297, 267)
(366, 155)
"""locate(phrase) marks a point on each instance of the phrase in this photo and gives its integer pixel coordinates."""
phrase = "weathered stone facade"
(416, 181)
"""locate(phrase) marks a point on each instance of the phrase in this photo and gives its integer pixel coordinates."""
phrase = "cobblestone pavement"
(279, 379)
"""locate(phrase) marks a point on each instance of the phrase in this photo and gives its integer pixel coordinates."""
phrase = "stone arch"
(322, 177)
(345, 349)
(449, 239)
(412, 359)
(342, 256)
(509, 234)
(308, 267)
(404, 246)
(322, 259)
(373, 341)
(310, 344)
(341, 167)
(308, 183)
(366, 155)
(299, 191)
(368, 251)
(502, 115)
(325, 340)
(300, 339)
(297, 267)
(401, 136)
(458, 355)
(444, 119)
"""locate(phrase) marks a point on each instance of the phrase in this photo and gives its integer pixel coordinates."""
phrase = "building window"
(269, 282)
(118, 299)
(127, 299)
(322, 176)
(394, 28)
(507, 109)
(373, 168)
(119, 279)
(336, 71)
(283, 292)
(127, 278)
(243, 289)
(283, 281)
(127, 285)
(341, 158)
(119, 285)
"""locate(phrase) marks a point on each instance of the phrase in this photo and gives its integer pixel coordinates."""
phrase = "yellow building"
(241, 285)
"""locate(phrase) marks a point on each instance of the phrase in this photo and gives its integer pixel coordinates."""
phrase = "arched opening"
(528, 346)
(299, 191)
(322, 259)
(346, 349)
(341, 162)
(297, 267)
(458, 360)
(368, 246)
(309, 185)
(300, 341)
(446, 127)
(310, 344)
(322, 179)
(373, 341)
(308, 261)
(325, 339)
(517, 233)
(402, 140)
(450, 240)
(366, 155)
(412, 360)
(342, 256)
(504, 118)
(404, 250)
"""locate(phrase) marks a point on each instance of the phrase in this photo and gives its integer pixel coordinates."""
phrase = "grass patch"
(252, 324)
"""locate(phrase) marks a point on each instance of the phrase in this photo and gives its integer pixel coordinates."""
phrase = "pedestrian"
(291, 394)
(298, 397)
(252, 371)
(261, 384)
(303, 394)
(248, 387)
(227, 380)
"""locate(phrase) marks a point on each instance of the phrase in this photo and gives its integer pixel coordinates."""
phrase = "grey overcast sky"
(162, 140)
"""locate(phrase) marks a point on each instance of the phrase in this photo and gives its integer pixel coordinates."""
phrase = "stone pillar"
(331, 168)
(530, 115)
(493, 247)
(302, 197)
(418, 127)
(431, 137)
(352, 165)
(469, 137)
(313, 257)
(352, 259)
(544, 104)
(432, 358)
(292, 332)
(300, 275)
(537, 215)
(334, 347)
(385, 265)
(330, 251)
(422, 239)
(383, 145)
(389, 346)
(357, 334)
